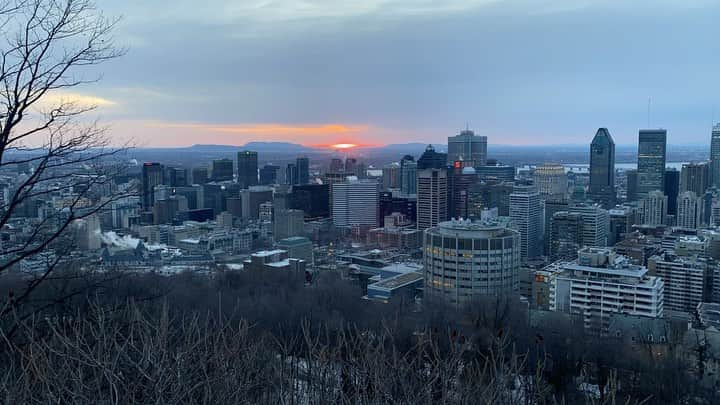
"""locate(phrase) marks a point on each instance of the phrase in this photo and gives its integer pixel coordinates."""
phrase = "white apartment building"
(600, 283)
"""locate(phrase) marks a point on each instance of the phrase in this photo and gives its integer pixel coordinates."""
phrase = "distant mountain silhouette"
(285, 147)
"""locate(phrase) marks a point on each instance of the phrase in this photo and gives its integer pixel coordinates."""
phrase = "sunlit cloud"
(56, 98)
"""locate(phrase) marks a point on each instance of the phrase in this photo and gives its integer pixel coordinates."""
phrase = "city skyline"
(302, 72)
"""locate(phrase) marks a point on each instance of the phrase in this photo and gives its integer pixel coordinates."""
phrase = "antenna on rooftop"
(648, 113)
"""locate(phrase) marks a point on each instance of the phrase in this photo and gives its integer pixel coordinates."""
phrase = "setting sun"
(344, 145)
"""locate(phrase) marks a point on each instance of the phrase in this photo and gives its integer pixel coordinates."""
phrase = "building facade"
(465, 260)
(602, 168)
(652, 144)
(467, 147)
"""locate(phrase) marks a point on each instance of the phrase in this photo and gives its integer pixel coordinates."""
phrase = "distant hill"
(277, 147)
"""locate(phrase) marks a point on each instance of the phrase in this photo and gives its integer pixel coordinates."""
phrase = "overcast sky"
(383, 71)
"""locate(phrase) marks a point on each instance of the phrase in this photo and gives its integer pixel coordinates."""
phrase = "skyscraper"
(495, 171)
(631, 185)
(694, 177)
(565, 235)
(431, 159)
(715, 156)
(652, 144)
(200, 175)
(461, 179)
(595, 224)
(602, 168)
(408, 175)
(526, 215)
(152, 175)
(291, 174)
(247, 168)
(391, 176)
(653, 208)
(303, 170)
(672, 189)
(690, 210)
(356, 203)
(432, 189)
(222, 170)
(551, 181)
(467, 147)
(268, 174)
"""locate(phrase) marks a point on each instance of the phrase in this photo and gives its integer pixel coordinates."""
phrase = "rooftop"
(266, 253)
(400, 280)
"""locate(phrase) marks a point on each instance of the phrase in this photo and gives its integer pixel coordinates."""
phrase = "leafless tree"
(48, 47)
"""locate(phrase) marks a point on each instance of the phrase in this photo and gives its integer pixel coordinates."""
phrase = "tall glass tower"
(652, 144)
(468, 147)
(602, 168)
(715, 156)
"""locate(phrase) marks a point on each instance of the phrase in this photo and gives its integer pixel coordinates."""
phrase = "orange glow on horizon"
(343, 145)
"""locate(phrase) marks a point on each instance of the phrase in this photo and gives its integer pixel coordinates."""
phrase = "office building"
(493, 171)
(432, 160)
(460, 180)
(652, 145)
(694, 177)
(200, 175)
(600, 283)
(222, 170)
(288, 223)
(715, 156)
(467, 147)
(390, 204)
(690, 210)
(672, 189)
(336, 165)
(602, 169)
(465, 260)
(550, 207)
(252, 198)
(565, 235)
(291, 174)
(408, 175)
(526, 215)
(247, 162)
(355, 203)
(391, 176)
(175, 177)
(266, 211)
(152, 176)
(631, 185)
(303, 170)
(621, 221)
(653, 208)
(489, 195)
(313, 199)
(268, 175)
(596, 223)
(432, 189)
(550, 180)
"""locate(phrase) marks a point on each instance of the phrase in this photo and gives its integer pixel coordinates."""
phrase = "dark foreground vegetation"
(267, 338)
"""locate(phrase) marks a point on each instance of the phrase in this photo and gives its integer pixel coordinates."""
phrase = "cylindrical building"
(464, 260)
